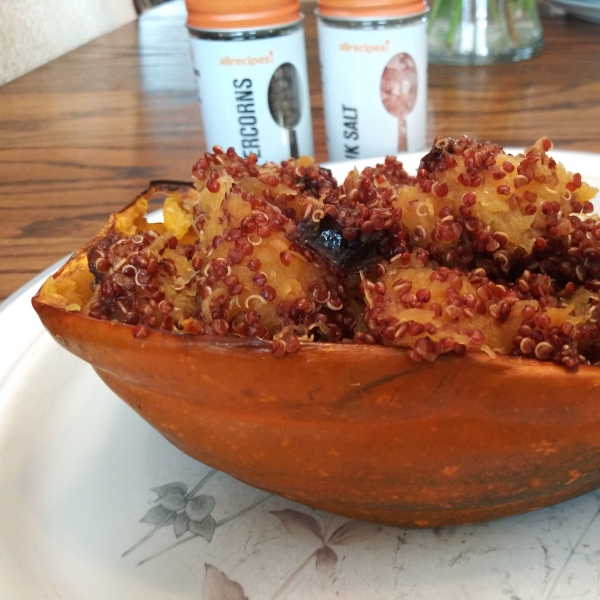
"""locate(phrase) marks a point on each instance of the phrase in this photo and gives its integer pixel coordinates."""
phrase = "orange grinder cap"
(361, 9)
(241, 14)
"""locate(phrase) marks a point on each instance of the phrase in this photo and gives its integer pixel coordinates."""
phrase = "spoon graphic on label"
(284, 101)
(398, 88)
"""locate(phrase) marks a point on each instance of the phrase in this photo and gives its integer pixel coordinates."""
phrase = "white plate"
(588, 10)
(77, 467)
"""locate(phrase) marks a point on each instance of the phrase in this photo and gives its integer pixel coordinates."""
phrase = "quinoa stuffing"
(479, 251)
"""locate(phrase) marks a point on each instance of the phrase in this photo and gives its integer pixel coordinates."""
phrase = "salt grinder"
(374, 74)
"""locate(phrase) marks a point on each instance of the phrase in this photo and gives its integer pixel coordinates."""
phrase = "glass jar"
(479, 32)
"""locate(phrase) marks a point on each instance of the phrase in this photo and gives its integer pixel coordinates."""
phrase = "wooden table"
(80, 136)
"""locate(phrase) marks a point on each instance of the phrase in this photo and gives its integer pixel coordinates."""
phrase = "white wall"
(33, 32)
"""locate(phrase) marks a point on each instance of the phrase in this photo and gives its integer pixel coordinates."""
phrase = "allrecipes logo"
(251, 61)
(367, 48)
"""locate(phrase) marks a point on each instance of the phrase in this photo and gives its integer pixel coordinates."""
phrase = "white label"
(244, 86)
(374, 90)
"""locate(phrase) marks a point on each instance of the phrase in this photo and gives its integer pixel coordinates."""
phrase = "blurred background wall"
(33, 32)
